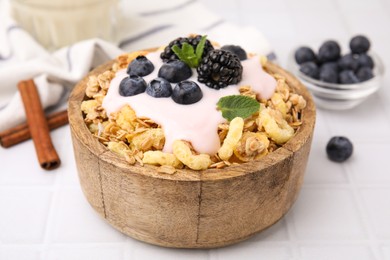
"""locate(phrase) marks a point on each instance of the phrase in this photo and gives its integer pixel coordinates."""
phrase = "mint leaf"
(188, 55)
(178, 52)
(237, 106)
(200, 47)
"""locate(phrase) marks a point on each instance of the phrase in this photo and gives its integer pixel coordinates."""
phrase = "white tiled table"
(343, 211)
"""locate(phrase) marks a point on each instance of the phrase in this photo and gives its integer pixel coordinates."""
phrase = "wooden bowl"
(191, 209)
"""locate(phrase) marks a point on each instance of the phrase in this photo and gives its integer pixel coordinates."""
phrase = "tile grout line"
(292, 238)
(355, 192)
(372, 241)
(50, 218)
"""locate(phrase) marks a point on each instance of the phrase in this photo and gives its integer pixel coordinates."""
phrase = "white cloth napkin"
(155, 23)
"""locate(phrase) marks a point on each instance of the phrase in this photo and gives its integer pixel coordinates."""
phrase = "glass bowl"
(339, 96)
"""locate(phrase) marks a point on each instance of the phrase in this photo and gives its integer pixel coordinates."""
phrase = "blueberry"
(140, 66)
(339, 149)
(359, 44)
(175, 71)
(235, 49)
(131, 86)
(310, 69)
(187, 92)
(348, 77)
(333, 65)
(328, 74)
(364, 74)
(159, 87)
(329, 51)
(349, 62)
(365, 60)
(304, 54)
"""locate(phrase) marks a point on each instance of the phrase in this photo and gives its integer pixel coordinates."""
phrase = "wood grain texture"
(191, 209)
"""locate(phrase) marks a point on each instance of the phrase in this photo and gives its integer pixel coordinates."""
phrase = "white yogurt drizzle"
(196, 123)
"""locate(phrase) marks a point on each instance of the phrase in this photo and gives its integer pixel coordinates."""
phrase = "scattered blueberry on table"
(339, 149)
(329, 65)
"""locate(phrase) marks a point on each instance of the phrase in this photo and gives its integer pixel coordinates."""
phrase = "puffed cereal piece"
(195, 162)
(150, 138)
(167, 169)
(279, 104)
(125, 118)
(233, 136)
(161, 158)
(251, 146)
(118, 148)
(275, 126)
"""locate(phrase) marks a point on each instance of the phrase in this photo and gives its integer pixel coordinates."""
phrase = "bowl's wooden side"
(191, 209)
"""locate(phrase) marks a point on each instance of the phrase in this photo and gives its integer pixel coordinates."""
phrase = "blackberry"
(168, 53)
(219, 68)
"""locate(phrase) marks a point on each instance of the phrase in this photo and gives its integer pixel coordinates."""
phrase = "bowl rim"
(301, 137)
(378, 70)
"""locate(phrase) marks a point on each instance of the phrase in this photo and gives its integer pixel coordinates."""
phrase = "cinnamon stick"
(37, 124)
(21, 133)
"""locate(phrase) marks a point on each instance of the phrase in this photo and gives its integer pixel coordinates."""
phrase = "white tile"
(386, 251)
(282, 51)
(251, 251)
(320, 170)
(141, 251)
(280, 20)
(23, 215)
(356, 22)
(277, 232)
(326, 214)
(367, 166)
(348, 6)
(307, 6)
(19, 253)
(318, 25)
(376, 201)
(336, 252)
(321, 129)
(76, 252)
(67, 172)
(76, 221)
(367, 122)
(20, 166)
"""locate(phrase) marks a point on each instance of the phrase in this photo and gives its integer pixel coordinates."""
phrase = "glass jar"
(57, 23)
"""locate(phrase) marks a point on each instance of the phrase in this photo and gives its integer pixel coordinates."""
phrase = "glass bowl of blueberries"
(338, 81)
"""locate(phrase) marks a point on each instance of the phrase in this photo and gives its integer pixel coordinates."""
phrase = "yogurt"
(196, 123)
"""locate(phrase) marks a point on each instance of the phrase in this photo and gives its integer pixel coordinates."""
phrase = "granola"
(140, 140)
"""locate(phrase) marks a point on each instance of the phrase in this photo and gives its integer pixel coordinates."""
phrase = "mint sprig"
(188, 55)
(237, 106)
